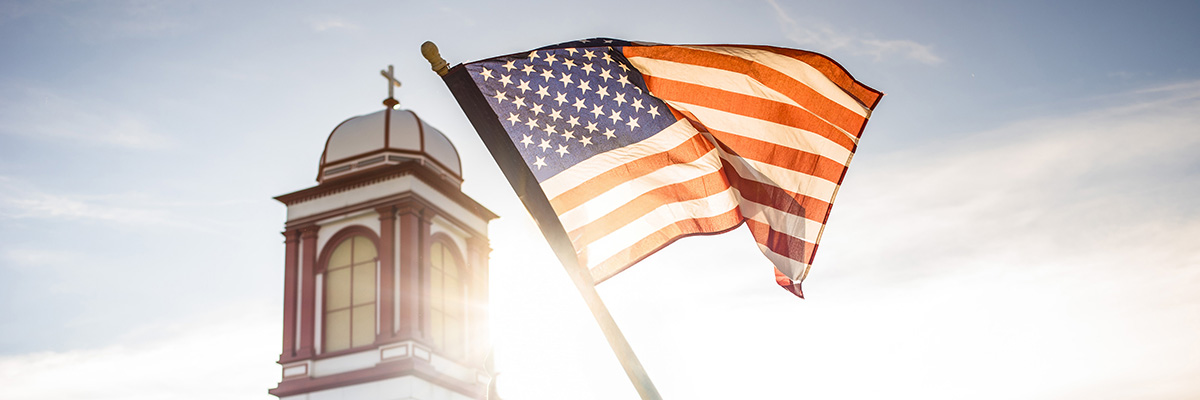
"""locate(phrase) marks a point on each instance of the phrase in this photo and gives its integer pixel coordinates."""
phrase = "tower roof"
(387, 137)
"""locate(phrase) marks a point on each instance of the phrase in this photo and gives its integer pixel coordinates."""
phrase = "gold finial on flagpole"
(439, 65)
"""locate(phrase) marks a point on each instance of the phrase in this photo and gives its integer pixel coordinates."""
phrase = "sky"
(1019, 220)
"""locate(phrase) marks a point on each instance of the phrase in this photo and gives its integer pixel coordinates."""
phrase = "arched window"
(447, 299)
(350, 295)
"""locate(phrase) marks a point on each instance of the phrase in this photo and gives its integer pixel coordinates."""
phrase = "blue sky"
(1019, 220)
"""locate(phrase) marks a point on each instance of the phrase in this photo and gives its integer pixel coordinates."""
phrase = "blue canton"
(566, 103)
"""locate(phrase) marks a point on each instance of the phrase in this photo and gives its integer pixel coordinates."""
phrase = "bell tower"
(385, 268)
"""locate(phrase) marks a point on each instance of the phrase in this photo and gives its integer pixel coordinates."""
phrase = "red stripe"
(832, 70)
(750, 106)
(780, 156)
(788, 86)
(686, 152)
(782, 243)
(693, 189)
(663, 237)
(776, 197)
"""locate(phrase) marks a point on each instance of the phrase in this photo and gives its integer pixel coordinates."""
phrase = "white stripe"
(789, 267)
(784, 222)
(766, 131)
(724, 80)
(796, 182)
(626, 192)
(797, 70)
(676, 134)
(624, 237)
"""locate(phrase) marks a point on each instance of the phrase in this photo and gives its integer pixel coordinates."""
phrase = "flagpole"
(530, 194)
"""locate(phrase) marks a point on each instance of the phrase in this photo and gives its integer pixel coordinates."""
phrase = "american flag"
(636, 145)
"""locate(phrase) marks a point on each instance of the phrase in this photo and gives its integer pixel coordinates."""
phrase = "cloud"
(825, 38)
(228, 354)
(20, 201)
(37, 113)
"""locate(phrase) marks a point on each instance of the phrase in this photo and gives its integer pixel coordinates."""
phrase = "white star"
(560, 97)
(545, 144)
(623, 80)
(566, 79)
(514, 118)
(609, 133)
(579, 104)
(500, 98)
(573, 121)
(532, 56)
(537, 109)
(549, 129)
(572, 50)
(607, 41)
(541, 92)
(623, 67)
(585, 85)
(615, 116)
(632, 123)
(604, 73)
(562, 150)
(551, 59)
(531, 123)
(547, 74)
(510, 65)
(568, 135)
(587, 68)
(524, 86)
(586, 140)
(602, 91)
(637, 104)
(506, 80)
(527, 69)
(620, 99)
(539, 162)
(589, 54)
(486, 74)
(556, 115)
(526, 140)
(518, 101)
(597, 111)
(591, 127)
(653, 111)
(569, 62)
(606, 58)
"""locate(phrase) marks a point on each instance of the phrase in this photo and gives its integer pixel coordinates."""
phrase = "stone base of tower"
(402, 388)
(400, 371)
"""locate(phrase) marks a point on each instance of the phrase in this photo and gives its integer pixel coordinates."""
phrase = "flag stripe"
(716, 78)
(651, 243)
(664, 179)
(661, 217)
(781, 199)
(792, 268)
(794, 78)
(784, 157)
(632, 209)
(831, 69)
(681, 158)
(678, 133)
(765, 130)
(750, 106)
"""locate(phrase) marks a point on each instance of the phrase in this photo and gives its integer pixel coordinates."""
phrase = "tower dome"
(387, 137)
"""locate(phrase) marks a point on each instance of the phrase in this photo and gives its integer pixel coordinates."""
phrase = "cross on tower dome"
(393, 83)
